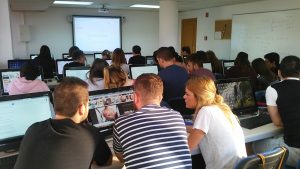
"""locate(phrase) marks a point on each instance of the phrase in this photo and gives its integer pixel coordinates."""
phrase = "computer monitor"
(128, 56)
(207, 65)
(32, 56)
(150, 60)
(238, 94)
(137, 70)
(80, 72)
(97, 56)
(18, 112)
(107, 105)
(66, 56)
(16, 63)
(109, 61)
(60, 63)
(6, 77)
(227, 64)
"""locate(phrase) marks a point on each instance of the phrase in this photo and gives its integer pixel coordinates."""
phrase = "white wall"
(206, 26)
(54, 28)
(5, 34)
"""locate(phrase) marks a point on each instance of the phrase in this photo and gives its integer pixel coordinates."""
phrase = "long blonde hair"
(205, 91)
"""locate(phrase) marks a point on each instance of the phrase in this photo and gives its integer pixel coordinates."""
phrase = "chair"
(274, 159)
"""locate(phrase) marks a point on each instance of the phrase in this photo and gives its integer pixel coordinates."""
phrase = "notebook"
(238, 94)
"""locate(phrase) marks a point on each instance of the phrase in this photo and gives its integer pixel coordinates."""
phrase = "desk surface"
(262, 132)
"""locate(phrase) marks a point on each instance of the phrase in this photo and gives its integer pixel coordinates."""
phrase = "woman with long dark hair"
(46, 62)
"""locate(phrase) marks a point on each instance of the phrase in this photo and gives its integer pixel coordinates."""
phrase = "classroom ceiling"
(183, 5)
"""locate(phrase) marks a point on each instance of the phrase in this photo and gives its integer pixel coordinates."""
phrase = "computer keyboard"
(8, 162)
(256, 121)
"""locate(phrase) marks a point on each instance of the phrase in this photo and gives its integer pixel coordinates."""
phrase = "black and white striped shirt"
(153, 137)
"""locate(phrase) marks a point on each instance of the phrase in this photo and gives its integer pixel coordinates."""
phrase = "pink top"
(22, 86)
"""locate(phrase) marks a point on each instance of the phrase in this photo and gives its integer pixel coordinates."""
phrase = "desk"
(262, 132)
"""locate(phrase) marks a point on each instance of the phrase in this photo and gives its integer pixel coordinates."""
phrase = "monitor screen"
(136, 70)
(18, 113)
(66, 56)
(32, 56)
(60, 63)
(80, 72)
(97, 33)
(16, 64)
(107, 105)
(237, 93)
(7, 76)
(109, 61)
(128, 56)
(207, 65)
(150, 60)
(227, 64)
(97, 55)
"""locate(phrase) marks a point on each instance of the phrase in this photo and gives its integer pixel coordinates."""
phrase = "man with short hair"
(154, 136)
(64, 142)
(283, 105)
(173, 76)
(78, 58)
(194, 65)
(137, 58)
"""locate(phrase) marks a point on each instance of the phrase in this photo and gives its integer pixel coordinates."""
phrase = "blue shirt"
(174, 78)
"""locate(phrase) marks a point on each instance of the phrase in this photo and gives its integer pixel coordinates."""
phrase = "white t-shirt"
(223, 144)
(99, 84)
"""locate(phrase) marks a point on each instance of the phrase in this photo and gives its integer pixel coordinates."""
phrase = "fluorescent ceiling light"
(72, 3)
(144, 6)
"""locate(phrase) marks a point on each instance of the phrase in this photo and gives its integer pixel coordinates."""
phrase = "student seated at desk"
(119, 60)
(195, 65)
(216, 131)
(154, 136)
(95, 79)
(45, 60)
(283, 105)
(27, 82)
(78, 58)
(65, 142)
(172, 75)
(115, 77)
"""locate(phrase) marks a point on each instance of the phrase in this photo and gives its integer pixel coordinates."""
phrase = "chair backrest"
(274, 159)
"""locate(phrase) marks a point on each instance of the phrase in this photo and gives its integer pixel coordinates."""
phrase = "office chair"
(274, 159)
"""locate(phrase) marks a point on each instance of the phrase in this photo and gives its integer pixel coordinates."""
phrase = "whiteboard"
(261, 33)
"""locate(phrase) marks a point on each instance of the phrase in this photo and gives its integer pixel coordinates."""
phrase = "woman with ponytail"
(216, 132)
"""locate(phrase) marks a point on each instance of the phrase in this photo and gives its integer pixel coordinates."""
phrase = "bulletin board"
(223, 29)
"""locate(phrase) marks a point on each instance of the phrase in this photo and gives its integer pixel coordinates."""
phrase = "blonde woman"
(216, 132)
(115, 77)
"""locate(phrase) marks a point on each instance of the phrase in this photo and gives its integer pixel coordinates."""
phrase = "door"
(189, 33)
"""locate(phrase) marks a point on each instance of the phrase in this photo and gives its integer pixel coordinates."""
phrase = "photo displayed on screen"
(7, 78)
(105, 108)
(238, 95)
